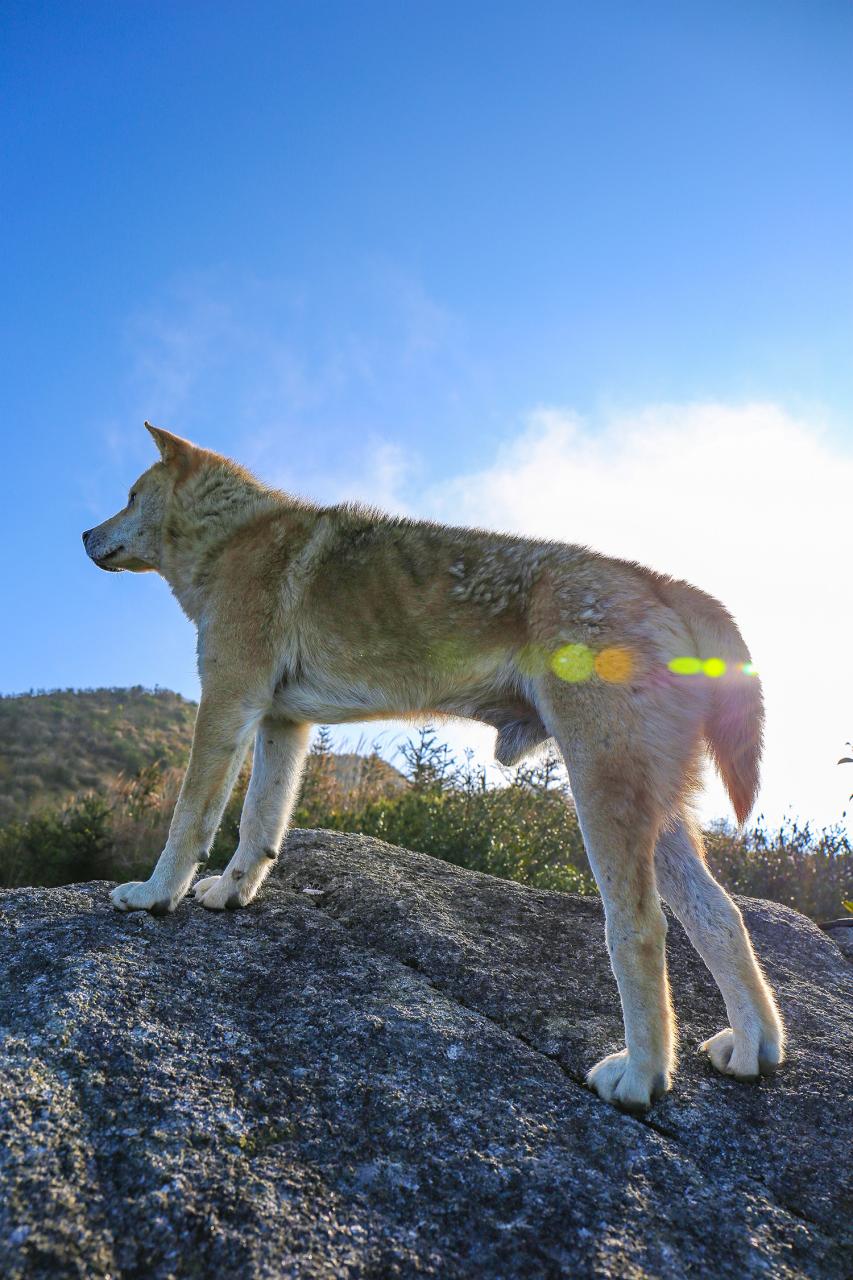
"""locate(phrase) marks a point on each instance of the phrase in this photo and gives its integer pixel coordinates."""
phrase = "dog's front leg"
(280, 750)
(223, 727)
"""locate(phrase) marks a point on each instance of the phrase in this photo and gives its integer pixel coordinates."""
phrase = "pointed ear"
(172, 448)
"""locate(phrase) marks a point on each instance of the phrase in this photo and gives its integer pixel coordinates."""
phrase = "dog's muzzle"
(101, 561)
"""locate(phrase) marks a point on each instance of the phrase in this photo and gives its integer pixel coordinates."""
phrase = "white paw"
(745, 1056)
(617, 1079)
(145, 895)
(201, 887)
(219, 893)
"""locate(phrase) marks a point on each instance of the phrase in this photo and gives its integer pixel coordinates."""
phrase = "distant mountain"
(58, 743)
(55, 744)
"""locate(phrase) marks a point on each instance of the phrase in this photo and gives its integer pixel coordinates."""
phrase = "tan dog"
(311, 615)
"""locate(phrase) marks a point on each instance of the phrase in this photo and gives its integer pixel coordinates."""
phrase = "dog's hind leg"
(619, 832)
(754, 1043)
(620, 817)
(279, 756)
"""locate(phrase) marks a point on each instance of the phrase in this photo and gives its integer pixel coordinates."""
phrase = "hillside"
(55, 744)
(59, 743)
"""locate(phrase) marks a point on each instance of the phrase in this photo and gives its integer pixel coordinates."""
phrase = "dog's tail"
(735, 723)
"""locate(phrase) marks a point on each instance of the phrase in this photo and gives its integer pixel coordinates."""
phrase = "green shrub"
(526, 830)
(809, 870)
(58, 847)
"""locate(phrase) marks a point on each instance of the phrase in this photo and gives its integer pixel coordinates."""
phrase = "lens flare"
(614, 665)
(573, 662)
(685, 666)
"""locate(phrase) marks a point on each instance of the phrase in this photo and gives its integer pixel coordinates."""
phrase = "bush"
(58, 848)
(811, 871)
(526, 830)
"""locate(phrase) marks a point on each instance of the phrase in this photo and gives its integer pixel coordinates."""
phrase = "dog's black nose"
(86, 533)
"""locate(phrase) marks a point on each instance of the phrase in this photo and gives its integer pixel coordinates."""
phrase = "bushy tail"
(735, 723)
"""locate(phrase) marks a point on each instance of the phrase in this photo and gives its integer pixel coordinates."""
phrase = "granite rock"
(376, 1070)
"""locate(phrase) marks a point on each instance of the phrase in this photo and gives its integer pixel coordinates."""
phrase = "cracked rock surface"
(376, 1070)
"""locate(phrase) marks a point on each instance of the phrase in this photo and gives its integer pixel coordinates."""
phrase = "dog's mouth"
(103, 561)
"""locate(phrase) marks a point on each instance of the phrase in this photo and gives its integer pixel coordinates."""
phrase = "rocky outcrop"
(377, 1070)
(841, 932)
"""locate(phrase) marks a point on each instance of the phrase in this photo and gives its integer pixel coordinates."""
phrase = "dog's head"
(133, 538)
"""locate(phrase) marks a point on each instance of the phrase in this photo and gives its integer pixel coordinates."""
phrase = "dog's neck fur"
(205, 510)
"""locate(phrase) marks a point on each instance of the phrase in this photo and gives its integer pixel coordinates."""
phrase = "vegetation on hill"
(56, 744)
(526, 830)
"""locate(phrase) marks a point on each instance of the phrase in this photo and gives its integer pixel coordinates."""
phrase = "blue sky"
(362, 246)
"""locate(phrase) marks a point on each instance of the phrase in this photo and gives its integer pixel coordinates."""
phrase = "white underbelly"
(338, 703)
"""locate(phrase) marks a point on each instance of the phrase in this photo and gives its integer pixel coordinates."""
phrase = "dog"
(309, 614)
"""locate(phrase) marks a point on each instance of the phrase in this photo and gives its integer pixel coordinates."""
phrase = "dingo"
(312, 615)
